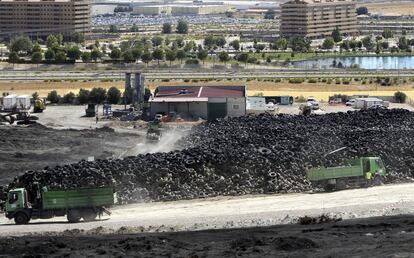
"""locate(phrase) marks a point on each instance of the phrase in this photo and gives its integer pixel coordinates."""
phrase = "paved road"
(227, 212)
(188, 74)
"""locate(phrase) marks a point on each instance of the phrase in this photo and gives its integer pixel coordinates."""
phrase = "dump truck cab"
(17, 205)
(364, 171)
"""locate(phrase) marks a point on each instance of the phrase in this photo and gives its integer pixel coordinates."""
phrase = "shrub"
(83, 96)
(296, 80)
(69, 98)
(400, 97)
(53, 97)
(312, 80)
(338, 81)
(114, 95)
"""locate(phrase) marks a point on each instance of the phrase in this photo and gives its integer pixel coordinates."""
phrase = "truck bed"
(77, 198)
(322, 173)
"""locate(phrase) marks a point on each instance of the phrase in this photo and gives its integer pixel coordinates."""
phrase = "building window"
(236, 106)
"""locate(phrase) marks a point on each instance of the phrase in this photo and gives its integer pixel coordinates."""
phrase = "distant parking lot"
(128, 19)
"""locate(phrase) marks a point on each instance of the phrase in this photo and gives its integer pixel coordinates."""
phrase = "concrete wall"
(236, 107)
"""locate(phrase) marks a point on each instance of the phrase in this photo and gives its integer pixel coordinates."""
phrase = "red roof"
(200, 92)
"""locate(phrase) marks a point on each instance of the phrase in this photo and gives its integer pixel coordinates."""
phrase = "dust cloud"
(167, 143)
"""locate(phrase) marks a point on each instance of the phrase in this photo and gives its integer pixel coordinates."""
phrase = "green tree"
(224, 57)
(136, 53)
(60, 57)
(73, 53)
(86, 57)
(400, 97)
(134, 28)
(171, 55)
(115, 54)
(387, 33)
(220, 41)
(259, 47)
(83, 96)
(114, 95)
(50, 55)
(189, 46)
(37, 57)
(243, 57)
(13, 57)
(158, 54)
(299, 44)
(179, 41)
(368, 43)
(21, 44)
(280, 44)
(69, 98)
(403, 43)
(96, 54)
(78, 37)
(36, 48)
(209, 41)
(167, 28)
(53, 97)
(181, 54)
(182, 27)
(146, 57)
(328, 43)
(345, 45)
(235, 44)
(202, 54)
(113, 28)
(157, 41)
(97, 95)
(336, 35)
(51, 41)
(128, 56)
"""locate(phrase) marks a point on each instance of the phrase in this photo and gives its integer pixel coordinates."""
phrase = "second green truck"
(360, 172)
(76, 204)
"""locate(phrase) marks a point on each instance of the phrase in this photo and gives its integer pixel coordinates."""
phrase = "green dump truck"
(76, 204)
(360, 172)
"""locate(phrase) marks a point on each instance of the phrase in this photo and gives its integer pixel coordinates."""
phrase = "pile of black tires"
(246, 155)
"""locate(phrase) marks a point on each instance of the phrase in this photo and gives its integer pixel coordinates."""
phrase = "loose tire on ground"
(73, 216)
(21, 218)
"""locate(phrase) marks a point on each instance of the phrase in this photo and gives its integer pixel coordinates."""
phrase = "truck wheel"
(89, 214)
(21, 218)
(73, 216)
(377, 180)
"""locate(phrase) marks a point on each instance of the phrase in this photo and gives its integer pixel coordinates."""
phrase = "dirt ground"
(321, 91)
(392, 7)
(372, 237)
(35, 147)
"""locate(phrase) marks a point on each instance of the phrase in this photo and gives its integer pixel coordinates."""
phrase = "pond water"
(363, 62)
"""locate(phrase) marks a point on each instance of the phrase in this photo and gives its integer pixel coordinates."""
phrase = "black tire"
(341, 184)
(377, 180)
(21, 218)
(73, 216)
(89, 214)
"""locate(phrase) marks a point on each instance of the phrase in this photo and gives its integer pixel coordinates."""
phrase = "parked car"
(311, 101)
(377, 106)
(350, 102)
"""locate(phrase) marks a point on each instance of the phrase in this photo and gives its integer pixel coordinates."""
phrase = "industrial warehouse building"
(181, 9)
(205, 102)
(40, 18)
(318, 18)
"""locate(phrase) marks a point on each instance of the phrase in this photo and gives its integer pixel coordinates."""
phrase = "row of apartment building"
(308, 18)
